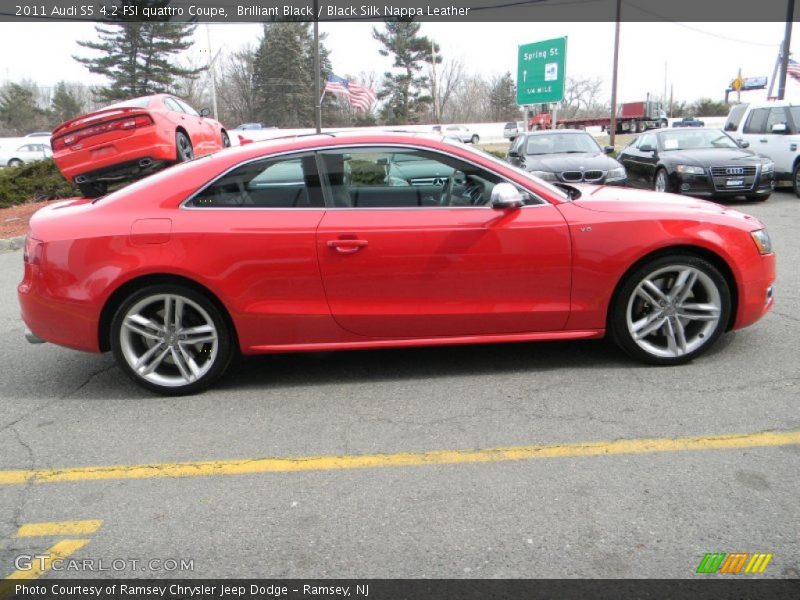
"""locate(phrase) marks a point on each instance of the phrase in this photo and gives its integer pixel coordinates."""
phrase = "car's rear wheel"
(183, 145)
(93, 189)
(15, 162)
(171, 339)
(796, 179)
(474, 139)
(670, 310)
(661, 181)
(226, 140)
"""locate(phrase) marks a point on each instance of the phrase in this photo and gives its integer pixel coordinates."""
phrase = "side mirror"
(505, 195)
(608, 149)
(743, 144)
(779, 128)
(204, 112)
(646, 148)
(513, 153)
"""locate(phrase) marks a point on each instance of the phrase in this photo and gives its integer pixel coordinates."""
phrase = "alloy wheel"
(661, 181)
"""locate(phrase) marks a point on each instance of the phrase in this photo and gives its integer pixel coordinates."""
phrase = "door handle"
(763, 140)
(347, 246)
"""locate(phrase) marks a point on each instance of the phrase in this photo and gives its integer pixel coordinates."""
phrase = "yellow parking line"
(59, 528)
(402, 459)
(58, 551)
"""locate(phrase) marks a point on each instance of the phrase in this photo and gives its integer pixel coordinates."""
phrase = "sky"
(696, 59)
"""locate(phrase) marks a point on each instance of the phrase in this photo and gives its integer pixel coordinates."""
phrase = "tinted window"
(776, 116)
(735, 117)
(694, 139)
(283, 182)
(648, 139)
(794, 111)
(404, 177)
(757, 121)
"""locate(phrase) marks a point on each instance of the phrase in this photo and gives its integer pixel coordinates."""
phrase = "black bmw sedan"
(567, 156)
(707, 163)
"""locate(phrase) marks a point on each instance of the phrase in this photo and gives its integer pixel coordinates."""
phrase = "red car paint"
(327, 278)
(113, 140)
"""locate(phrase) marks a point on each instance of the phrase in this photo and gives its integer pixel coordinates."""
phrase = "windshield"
(556, 191)
(696, 139)
(561, 143)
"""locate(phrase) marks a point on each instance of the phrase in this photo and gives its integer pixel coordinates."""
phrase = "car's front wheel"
(670, 310)
(15, 162)
(183, 145)
(661, 181)
(171, 339)
(475, 139)
(226, 140)
(796, 179)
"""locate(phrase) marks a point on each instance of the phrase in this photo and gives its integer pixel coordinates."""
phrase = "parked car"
(133, 138)
(179, 272)
(689, 122)
(253, 126)
(773, 130)
(46, 134)
(512, 129)
(26, 153)
(566, 155)
(461, 132)
(707, 163)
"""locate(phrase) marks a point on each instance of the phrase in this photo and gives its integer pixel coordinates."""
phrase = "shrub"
(33, 182)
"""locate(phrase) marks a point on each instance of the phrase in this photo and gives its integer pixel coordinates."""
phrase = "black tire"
(15, 162)
(124, 348)
(474, 139)
(664, 123)
(626, 298)
(796, 179)
(661, 171)
(183, 147)
(226, 140)
(93, 189)
(757, 197)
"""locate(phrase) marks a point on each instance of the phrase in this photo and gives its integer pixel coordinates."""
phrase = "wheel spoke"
(189, 359)
(156, 362)
(177, 316)
(179, 362)
(167, 311)
(680, 334)
(654, 289)
(652, 323)
(198, 335)
(672, 342)
(646, 296)
(138, 328)
(698, 312)
(683, 285)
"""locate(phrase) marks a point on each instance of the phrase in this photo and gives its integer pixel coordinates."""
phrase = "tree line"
(272, 81)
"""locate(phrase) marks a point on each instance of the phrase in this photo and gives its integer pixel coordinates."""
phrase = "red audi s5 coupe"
(345, 241)
(131, 139)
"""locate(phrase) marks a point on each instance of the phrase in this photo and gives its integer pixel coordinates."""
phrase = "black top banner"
(533, 11)
(739, 588)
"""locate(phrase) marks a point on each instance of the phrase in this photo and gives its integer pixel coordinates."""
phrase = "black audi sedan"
(567, 156)
(707, 163)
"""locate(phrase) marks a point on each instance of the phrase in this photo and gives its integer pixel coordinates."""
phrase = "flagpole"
(317, 73)
(787, 40)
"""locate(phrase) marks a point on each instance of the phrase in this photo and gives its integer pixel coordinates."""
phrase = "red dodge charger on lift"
(343, 241)
(133, 138)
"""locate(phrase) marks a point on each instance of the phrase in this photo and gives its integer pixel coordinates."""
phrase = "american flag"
(793, 69)
(360, 97)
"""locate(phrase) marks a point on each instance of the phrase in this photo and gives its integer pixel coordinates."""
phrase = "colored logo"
(734, 563)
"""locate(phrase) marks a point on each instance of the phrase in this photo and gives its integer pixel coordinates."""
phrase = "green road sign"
(541, 71)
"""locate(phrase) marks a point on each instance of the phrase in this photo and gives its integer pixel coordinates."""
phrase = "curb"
(12, 244)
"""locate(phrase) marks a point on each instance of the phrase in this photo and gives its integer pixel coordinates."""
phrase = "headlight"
(690, 170)
(616, 174)
(763, 243)
(545, 175)
(767, 168)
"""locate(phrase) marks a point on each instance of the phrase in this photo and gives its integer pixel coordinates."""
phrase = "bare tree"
(582, 98)
(449, 74)
(194, 89)
(469, 102)
(235, 88)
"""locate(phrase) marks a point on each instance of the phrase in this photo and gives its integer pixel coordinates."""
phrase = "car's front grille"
(733, 171)
(578, 176)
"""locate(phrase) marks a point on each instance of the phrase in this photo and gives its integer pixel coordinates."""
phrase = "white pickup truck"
(772, 129)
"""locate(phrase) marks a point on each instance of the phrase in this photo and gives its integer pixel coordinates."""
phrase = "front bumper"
(703, 186)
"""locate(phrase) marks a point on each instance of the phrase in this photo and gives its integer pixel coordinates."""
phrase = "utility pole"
(317, 71)
(613, 132)
(787, 39)
(211, 73)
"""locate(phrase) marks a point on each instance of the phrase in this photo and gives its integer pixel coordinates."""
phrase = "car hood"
(570, 162)
(614, 199)
(712, 156)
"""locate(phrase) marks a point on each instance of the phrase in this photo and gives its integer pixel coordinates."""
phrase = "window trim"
(317, 149)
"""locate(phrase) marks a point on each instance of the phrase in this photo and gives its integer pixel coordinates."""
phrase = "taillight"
(116, 125)
(33, 251)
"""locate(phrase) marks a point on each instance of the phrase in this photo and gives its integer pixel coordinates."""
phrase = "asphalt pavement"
(643, 513)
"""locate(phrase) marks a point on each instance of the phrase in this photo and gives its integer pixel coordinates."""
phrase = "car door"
(634, 161)
(434, 259)
(255, 228)
(206, 128)
(777, 146)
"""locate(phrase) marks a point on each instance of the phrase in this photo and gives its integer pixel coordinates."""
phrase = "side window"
(403, 178)
(757, 121)
(187, 109)
(518, 143)
(172, 105)
(776, 115)
(648, 139)
(285, 182)
(735, 117)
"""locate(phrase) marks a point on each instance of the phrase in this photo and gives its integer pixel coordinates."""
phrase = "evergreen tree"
(64, 104)
(404, 89)
(135, 56)
(283, 75)
(19, 112)
(503, 99)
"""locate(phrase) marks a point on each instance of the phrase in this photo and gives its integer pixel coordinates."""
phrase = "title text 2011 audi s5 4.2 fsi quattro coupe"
(310, 243)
